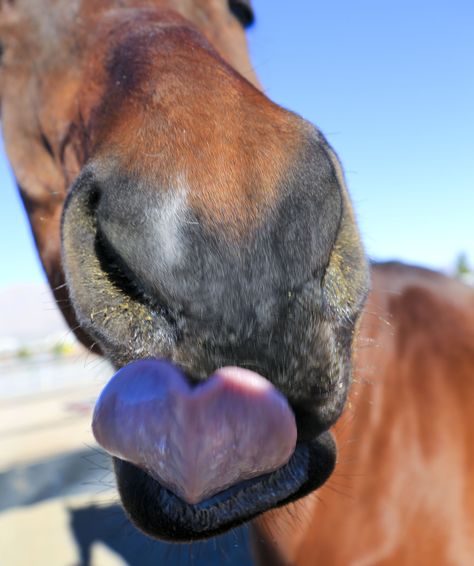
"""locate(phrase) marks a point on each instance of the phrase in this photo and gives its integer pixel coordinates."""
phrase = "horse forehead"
(54, 31)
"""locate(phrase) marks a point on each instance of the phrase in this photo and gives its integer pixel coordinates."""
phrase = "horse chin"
(161, 514)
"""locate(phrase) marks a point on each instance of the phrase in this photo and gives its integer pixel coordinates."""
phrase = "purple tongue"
(195, 441)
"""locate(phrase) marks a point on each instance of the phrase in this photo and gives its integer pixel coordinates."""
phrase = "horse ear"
(243, 11)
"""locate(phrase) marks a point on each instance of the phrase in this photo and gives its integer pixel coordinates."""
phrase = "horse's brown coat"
(403, 490)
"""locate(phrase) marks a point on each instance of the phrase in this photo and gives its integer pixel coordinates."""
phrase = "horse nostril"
(94, 199)
(91, 195)
(87, 192)
(112, 264)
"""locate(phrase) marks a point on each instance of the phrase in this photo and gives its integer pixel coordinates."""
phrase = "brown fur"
(403, 490)
(242, 169)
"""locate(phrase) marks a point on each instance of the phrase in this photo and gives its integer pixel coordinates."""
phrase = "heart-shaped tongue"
(196, 441)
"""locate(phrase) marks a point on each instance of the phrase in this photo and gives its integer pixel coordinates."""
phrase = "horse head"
(186, 217)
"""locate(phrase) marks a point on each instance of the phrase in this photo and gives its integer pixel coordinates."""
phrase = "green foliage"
(62, 349)
(462, 267)
(24, 353)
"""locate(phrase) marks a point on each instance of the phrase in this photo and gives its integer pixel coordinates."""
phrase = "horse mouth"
(160, 513)
(131, 325)
(193, 461)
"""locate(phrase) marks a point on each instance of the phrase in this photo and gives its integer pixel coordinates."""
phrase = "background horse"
(401, 492)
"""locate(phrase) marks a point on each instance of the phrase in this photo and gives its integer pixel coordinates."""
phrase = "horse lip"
(163, 515)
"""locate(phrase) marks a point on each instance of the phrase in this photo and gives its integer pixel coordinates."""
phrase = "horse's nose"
(270, 234)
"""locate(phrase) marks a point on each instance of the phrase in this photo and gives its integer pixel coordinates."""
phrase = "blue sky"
(391, 85)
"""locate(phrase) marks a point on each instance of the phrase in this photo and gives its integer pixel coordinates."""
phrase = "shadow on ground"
(87, 473)
(108, 525)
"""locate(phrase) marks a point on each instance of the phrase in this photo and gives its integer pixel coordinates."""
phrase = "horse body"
(402, 491)
(201, 223)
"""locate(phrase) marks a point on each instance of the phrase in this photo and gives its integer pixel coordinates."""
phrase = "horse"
(402, 490)
(180, 214)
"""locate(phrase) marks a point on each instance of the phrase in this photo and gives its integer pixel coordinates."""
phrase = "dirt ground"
(58, 505)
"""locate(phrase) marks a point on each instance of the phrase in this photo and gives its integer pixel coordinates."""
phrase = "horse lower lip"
(196, 442)
(161, 514)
